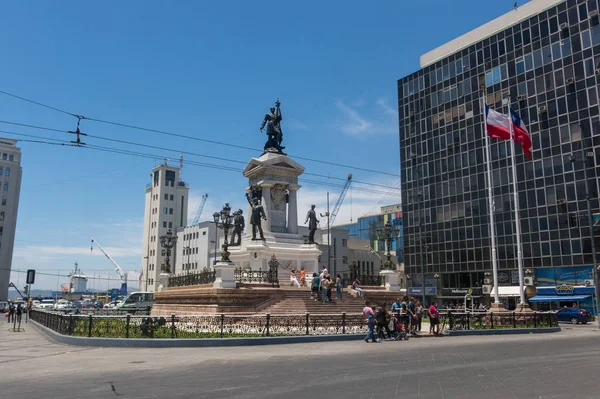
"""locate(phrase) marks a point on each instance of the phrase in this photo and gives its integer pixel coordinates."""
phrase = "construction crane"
(200, 209)
(340, 199)
(118, 268)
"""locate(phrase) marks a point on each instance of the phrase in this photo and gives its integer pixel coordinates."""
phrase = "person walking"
(383, 324)
(370, 318)
(11, 312)
(294, 279)
(338, 287)
(434, 319)
(19, 313)
(325, 283)
(302, 277)
(315, 292)
(412, 312)
(419, 314)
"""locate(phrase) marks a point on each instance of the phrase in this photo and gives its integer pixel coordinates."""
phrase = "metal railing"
(257, 276)
(201, 326)
(457, 321)
(205, 277)
(373, 280)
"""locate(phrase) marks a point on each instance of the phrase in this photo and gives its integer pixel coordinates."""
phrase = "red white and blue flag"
(498, 127)
(521, 135)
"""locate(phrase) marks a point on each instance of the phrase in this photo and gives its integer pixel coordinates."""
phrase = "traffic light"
(30, 276)
(71, 287)
(572, 220)
(26, 290)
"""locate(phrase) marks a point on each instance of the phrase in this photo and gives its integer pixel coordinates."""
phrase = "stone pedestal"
(277, 177)
(224, 275)
(392, 278)
(163, 281)
(523, 308)
(496, 307)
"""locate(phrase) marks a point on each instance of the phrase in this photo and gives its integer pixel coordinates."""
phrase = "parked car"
(112, 305)
(573, 315)
(35, 304)
(46, 304)
(63, 306)
(3, 307)
(137, 301)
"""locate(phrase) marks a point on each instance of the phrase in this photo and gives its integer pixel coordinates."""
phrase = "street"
(545, 366)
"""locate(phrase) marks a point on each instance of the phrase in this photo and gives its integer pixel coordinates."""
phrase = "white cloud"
(361, 119)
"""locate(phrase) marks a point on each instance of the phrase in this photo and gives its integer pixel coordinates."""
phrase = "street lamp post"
(388, 234)
(586, 157)
(224, 220)
(168, 241)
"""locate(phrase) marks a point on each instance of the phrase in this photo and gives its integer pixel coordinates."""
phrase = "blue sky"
(209, 70)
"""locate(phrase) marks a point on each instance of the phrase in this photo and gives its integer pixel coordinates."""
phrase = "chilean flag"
(498, 125)
(521, 134)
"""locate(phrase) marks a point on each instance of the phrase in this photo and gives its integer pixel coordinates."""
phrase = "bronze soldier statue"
(311, 219)
(238, 227)
(274, 133)
(255, 219)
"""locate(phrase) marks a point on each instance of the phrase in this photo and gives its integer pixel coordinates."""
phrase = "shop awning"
(558, 298)
(507, 291)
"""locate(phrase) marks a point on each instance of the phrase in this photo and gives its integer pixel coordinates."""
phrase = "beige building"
(10, 186)
(166, 209)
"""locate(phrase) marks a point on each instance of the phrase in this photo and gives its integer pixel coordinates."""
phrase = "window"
(344, 242)
(1, 215)
(170, 211)
(165, 210)
(166, 196)
(589, 67)
(11, 157)
(6, 186)
(4, 156)
(520, 65)
(586, 39)
(344, 260)
(164, 224)
(171, 197)
(3, 200)
(170, 225)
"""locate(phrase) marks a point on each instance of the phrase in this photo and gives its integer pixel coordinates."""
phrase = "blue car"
(573, 315)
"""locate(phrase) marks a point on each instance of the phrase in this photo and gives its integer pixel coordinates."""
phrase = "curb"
(504, 331)
(188, 342)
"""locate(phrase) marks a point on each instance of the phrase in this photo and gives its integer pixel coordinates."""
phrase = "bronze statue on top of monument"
(274, 133)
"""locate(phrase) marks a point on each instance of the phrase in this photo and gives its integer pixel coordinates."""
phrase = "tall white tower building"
(10, 188)
(166, 209)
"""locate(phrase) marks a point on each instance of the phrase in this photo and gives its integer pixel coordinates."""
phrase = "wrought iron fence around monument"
(374, 280)
(205, 277)
(201, 326)
(248, 275)
(459, 321)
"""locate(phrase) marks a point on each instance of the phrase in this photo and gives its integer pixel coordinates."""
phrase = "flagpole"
(488, 163)
(517, 218)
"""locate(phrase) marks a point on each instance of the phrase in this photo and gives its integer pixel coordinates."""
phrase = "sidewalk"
(25, 345)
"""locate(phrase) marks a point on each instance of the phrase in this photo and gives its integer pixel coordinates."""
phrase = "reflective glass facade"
(548, 67)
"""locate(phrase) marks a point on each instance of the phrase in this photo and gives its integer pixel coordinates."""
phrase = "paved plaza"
(544, 366)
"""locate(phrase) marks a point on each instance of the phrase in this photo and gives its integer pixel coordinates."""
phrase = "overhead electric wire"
(193, 163)
(80, 117)
(179, 151)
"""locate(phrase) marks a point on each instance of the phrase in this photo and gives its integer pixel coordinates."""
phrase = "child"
(371, 322)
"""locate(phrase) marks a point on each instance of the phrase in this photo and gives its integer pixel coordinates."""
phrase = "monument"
(272, 203)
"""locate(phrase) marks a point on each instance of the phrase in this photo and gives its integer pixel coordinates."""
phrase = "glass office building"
(544, 60)
(366, 227)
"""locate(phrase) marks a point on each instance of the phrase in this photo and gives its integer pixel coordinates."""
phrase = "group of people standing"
(405, 318)
(322, 286)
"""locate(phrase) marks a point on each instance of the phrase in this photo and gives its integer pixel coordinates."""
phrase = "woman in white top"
(294, 279)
